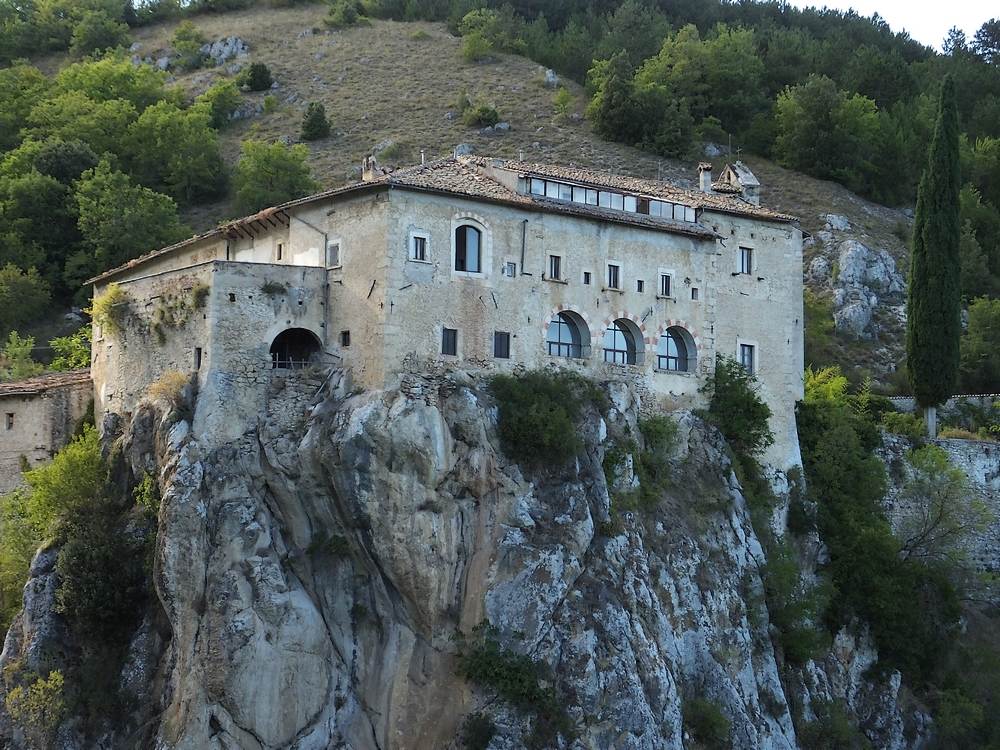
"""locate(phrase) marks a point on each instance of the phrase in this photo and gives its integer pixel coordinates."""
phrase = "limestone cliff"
(314, 577)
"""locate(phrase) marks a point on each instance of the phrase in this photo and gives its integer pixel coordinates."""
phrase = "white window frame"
(607, 275)
(739, 260)
(485, 246)
(561, 261)
(411, 246)
(330, 242)
(672, 275)
(740, 343)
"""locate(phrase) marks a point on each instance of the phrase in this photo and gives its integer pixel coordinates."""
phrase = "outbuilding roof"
(46, 382)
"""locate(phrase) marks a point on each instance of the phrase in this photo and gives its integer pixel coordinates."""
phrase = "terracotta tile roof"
(467, 176)
(41, 383)
(641, 186)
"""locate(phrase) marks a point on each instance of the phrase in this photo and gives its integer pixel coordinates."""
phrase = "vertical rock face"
(311, 578)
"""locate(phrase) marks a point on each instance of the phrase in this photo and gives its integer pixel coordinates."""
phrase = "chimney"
(369, 169)
(705, 177)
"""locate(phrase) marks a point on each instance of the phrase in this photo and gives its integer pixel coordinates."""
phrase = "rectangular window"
(345, 338)
(537, 186)
(746, 260)
(280, 248)
(656, 208)
(10, 420)
(586, 278)
(642, 206)
(694, 292)
(551, 189)
(501, 344)
(332, 254)
(555, 267)
(604, 199)
(510, 269)
(689, 213)
(579, 195)
(640, 286)
(747, 357)
(449, 341)
(613, 276)
(591, 197)
(679, 212)
(197, 358)
(630, 203)
(418, 248)
(664, 284)
(617, 201)
(565, 192)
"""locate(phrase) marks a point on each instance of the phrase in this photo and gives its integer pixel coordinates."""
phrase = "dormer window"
(616, 201)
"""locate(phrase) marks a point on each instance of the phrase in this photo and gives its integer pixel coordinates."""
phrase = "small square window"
(694, 292)
(449, 341)
(418, 248)
(9, 422)
(501, 344)
(555, 267)
(510, 269)
(345, 338)
(586, 278)
(746, 260)
(664, 284)
(640, 286)
(232, 297)
(333, 258)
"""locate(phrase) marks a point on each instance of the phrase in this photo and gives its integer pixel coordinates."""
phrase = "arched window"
(676, 351)
(468, 249)
(565, 336)
(620, 343)
(294, 348)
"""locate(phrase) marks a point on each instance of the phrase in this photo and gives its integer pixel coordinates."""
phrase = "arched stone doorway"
(294, 348)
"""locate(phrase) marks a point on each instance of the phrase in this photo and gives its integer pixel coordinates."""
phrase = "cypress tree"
(314, 123)
(933, 325)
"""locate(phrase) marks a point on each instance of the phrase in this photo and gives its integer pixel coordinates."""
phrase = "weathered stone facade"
(37, 418)
(372, 272)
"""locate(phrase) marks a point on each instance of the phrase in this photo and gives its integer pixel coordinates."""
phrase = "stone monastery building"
(471, 263)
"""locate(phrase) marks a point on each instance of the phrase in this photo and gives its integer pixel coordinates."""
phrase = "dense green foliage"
(706, 724)
(736, 409)
(980, 359)
(257, 77)
(314, 122)
(518, 679)
(271, 173)
(910, 604)
(538, 414)
(934, 315)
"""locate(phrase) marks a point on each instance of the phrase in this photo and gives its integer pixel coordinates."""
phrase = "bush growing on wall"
(538, 412)
(736, 409)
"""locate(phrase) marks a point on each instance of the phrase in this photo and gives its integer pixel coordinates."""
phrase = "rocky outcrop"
(312, 577)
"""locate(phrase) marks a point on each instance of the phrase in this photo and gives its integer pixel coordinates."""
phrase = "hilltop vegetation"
(797, 88)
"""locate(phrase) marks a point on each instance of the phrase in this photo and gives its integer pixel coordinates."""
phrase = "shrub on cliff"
(538, 413)
(736, 409)
(314, 123)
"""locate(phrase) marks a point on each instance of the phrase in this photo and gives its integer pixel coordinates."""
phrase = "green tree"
(221, 99)
(15, 358)
(980, 358)
(97, 32)
(21, 87)
(825, 132)
(73, 351)
(120, 220)
(18, 542)
(934, 324)
(24, 298)
(64, 160)
(314, 123)
(176, 151)
(736, 409)
(257, 77)
(271, 173)
(636, 28)
(75, 116)
(114, 78)
(976, 278)
(187, 43)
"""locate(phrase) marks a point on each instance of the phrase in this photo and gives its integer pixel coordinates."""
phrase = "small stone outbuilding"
(38, 416)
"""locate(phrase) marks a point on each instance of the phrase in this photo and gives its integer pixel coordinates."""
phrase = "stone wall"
(980, 462)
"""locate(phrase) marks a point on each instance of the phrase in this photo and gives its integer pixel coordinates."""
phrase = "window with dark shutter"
(449, 341)
(501, 344)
